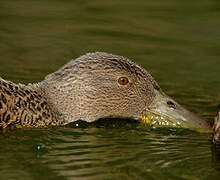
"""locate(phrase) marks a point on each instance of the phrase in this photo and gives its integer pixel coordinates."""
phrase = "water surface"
(177, 41)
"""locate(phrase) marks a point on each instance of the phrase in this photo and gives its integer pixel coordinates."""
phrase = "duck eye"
(171, 104)
(123, 80)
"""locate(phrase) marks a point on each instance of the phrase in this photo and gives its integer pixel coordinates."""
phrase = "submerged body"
(94, 86)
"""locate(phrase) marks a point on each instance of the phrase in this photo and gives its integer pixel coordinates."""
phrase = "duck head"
(101, 85)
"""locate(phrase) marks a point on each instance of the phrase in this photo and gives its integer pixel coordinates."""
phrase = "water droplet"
(40, 147)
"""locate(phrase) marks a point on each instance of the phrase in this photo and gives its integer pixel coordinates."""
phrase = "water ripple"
(126, 153)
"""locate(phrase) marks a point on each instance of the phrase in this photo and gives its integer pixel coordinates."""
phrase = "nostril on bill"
(171, 104)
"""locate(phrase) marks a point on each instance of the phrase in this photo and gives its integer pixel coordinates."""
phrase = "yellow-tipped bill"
(164, 111)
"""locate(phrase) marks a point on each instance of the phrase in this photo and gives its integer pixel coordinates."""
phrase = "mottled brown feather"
(84, 89)
(22, 106)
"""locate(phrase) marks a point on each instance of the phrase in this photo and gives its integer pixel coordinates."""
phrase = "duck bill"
(164, 111)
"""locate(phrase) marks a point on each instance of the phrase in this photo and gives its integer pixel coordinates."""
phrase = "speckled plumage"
(85, 88)
(21, 105)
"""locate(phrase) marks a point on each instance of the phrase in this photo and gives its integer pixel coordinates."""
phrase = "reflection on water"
(176, 41)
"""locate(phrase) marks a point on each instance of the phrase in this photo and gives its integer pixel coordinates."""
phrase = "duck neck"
(65, 98)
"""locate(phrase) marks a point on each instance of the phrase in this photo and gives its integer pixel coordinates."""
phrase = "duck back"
(21, 105)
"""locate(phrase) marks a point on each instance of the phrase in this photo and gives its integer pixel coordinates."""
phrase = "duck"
(94, 86)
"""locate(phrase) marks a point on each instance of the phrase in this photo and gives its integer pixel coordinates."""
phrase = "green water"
(177, 41)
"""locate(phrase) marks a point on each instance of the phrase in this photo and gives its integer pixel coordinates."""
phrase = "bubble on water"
(40, 147)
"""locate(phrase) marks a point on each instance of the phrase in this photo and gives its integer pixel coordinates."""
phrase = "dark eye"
(171, 104)
(123, 80)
